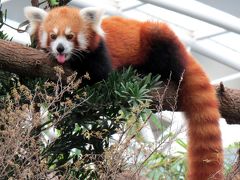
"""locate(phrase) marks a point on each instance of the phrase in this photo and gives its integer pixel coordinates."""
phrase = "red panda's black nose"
(60, 48)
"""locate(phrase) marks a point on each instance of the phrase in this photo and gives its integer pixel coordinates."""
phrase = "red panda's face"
(65, 31)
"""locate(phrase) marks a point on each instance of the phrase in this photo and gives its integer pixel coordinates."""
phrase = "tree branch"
(26, 61)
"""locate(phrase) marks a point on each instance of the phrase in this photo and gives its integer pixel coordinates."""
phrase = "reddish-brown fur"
(198, 98)
(71, 19)
(129, 42)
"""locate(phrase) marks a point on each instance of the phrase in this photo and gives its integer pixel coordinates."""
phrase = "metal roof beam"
(83, 3)
(200, 11)
(221, 57)
(133, 6)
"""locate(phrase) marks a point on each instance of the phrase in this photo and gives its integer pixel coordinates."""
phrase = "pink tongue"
(61, 58)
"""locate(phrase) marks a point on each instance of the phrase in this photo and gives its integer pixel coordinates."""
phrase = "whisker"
(48, 52)
(80, 57)
(81, 50)
(78, 53)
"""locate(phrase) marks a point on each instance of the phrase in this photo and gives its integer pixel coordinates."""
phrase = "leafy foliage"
(165, 166)
(7, 80)
(89, 127)
(3, 16)
(230, 159)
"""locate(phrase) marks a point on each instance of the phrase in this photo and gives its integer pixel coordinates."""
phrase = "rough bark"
(27, 61)
(229, 101)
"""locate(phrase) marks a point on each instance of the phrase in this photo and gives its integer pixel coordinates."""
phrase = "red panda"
(72, 39)
(98, 45)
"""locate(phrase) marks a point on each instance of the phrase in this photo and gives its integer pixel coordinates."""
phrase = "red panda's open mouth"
(61, 58)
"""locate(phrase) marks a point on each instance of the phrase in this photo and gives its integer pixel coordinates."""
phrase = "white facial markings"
(55, 30)
(68, 30)
(82, 40)
(68, 46)
(43, 39)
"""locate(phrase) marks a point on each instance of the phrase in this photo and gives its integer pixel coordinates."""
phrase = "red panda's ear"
(34, 13)
(35, 16)
(93, 16)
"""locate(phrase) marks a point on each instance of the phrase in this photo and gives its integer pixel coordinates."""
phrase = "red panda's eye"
(69, 36)
(53, 36)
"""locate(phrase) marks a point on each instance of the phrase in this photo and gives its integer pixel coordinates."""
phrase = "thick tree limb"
(27, 61)
(230, 104)
(229, 100)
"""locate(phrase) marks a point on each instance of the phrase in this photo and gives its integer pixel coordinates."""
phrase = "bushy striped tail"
(198, 98)
(199, 101)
